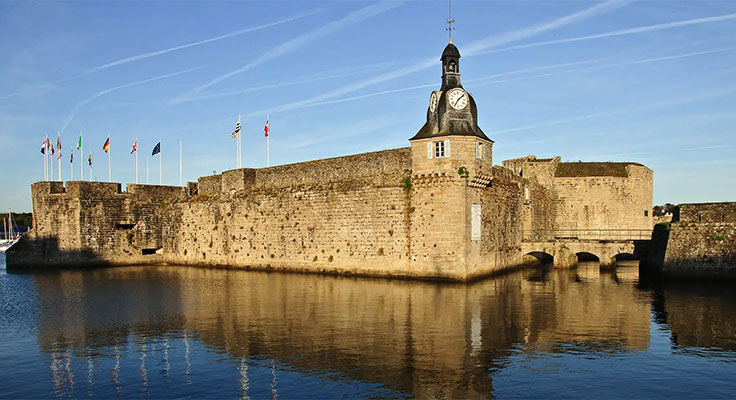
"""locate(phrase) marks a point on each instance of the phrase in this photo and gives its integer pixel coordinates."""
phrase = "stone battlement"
(380, 168)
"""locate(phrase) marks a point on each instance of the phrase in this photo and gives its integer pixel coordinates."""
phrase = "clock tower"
(451, 137)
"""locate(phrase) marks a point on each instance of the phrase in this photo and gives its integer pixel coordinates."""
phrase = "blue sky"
(646, 81)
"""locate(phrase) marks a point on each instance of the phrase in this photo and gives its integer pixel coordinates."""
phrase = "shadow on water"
(376, 338)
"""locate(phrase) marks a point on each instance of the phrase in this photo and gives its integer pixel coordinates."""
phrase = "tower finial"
(450, 21)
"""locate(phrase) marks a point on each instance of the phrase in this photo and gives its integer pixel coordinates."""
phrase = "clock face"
(458, 99)
(433, 102)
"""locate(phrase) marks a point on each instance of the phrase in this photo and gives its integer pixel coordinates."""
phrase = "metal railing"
(587, 234)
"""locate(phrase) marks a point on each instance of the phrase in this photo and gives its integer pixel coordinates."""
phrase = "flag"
(106, 146)
(89, 160)
(71, 157)
(135, 147)
(52, 150)
(58, 143)
(156, 149)
(48, 143)
(58, 155)
(43, 146)
(79, 143)
(265, 128)
(236, 132)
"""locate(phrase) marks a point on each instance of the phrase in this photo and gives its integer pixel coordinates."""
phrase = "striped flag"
(106, 146)
(236, 132)
(89, 159)
(135, 147)
(265, 128)
(43, 146)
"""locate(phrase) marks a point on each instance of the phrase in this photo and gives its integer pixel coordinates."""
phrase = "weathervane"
(449, 19)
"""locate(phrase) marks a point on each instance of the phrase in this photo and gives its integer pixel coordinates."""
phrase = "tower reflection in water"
(252, 334)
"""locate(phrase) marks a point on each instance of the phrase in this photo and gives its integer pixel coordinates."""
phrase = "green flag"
(79, 144)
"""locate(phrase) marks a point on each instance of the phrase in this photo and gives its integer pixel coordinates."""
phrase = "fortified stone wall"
(94, 223)
(605, 202)
(702, 249)
(708, 212)
(592, 195)
(508, 205)
(380, 168)
(344, 227)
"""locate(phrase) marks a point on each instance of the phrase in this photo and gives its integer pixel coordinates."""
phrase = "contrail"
(169, 50)
(477, 46)
(301, 40)
(653, 106)
(622, 32)
(326, 75)
(184, 46)
(79, 105)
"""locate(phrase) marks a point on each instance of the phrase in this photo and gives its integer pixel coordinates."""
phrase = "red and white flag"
(265, 128)
(135, 147)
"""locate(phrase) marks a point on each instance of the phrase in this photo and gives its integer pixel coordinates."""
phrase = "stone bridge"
(565, 254)
(565, 248)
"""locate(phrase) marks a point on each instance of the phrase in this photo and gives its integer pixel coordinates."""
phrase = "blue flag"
(156, 149)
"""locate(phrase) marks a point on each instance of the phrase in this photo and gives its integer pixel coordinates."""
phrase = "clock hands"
(458, 99)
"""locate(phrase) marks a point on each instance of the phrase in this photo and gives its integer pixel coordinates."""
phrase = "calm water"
(186, 332)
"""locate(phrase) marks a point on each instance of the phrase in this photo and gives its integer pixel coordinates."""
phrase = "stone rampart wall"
(95, 223)
(380, 168)
(605, 202)
(701, 250)
(345, 227)
(708, 212)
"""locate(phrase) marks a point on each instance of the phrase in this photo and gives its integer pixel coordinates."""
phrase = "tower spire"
(450, 21)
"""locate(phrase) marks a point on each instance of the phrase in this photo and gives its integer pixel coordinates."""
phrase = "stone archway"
(537, 257)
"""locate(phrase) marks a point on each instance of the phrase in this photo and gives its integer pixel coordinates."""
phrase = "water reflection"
(700, 316)
(426, 340)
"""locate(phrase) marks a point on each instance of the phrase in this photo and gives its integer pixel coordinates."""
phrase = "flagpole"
(51, 164)
(181, 169)
(148, 175)
(90, 166)
(109, 172)
(58, 155)
(268, 143)
(237, 143)
(160, 163)
(136, 160)
(71, 164)
(81, 157)
(45, 167)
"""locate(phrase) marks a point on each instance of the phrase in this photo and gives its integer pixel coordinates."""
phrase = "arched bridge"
(566, 248)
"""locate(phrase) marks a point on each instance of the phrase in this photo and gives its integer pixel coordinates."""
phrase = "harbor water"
(183, 332)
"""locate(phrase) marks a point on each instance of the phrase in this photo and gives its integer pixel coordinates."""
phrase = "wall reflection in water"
(422, 339)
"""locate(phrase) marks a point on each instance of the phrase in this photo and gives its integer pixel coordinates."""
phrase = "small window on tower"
(451, 68)
(646, 213)
(479, 150)
(439, 149)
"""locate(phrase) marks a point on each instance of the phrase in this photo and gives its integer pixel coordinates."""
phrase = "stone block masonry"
(389, 213)
(702, 245)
